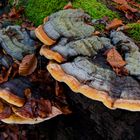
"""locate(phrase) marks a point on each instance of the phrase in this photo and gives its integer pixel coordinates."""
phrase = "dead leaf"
(116, 61)
(129, 15)
(61, 101)
(5, 74)
(123, 28)
(27, 93)
(14, 13)
(44, 108)
(128, 7)
(63, 107)
(120, 1)
(15, 68)
(34, 108)
(68, 6)
(133, 3)
(59, 89)
(28, 25)
(6, 112)
(96, 33)
(28, 65)
(114, 24)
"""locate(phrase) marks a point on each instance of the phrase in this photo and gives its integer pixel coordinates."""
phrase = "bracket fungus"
(21, 94)
(70, 23)
(16, 41)
(81, 63)
(25, 107)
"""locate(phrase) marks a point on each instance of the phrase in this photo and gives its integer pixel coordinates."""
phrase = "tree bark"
(100, 121)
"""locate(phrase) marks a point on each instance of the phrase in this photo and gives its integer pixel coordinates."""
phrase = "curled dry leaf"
(114, 24)
(14, 13)
(68, 6)
(28, 65)
(116, 61)
(123, 28)
(5, 74)
(61, 101)
(35, 108)
(120, 1)
(44, 108)
(128, 7)
(133, 3)
(5, 111)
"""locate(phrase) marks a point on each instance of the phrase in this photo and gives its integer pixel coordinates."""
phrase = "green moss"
(99, 27)
(36, 10)
(18, 22)
(134, 31)
(94, 8)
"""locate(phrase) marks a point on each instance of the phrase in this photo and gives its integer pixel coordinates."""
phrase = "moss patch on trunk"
(134, 31)
(36, 10)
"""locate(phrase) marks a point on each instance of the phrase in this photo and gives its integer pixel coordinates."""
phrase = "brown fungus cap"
(13, 91)
(55, 26)
(43, 36)
(49, 54)
(98, 83)
(11, 97)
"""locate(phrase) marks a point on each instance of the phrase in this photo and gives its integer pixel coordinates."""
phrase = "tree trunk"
(100, 121)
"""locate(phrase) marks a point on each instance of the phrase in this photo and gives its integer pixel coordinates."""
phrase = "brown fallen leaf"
(123, 28)
(5, 111)
(15, 68)
(128, 7)
(68, 6)
(96, 33)
(14, 13)
(28, 25)
(134, 3)
(114, 24)
(120, 1)
(116, 61)
(28, 65)
(61, 101)
(35, 108)
(44, 108)
(5, 74)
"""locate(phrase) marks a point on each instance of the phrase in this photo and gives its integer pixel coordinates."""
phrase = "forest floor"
(31, 14)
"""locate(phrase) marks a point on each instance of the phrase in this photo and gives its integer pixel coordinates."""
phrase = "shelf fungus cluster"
(21, 93)
(22, 104)
(103, 68)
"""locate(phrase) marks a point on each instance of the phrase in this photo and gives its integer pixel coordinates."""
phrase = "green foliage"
(134, 31)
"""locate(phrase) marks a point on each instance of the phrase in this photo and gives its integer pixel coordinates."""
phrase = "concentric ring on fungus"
(48, 53)
(43, 36)
(58, 73)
